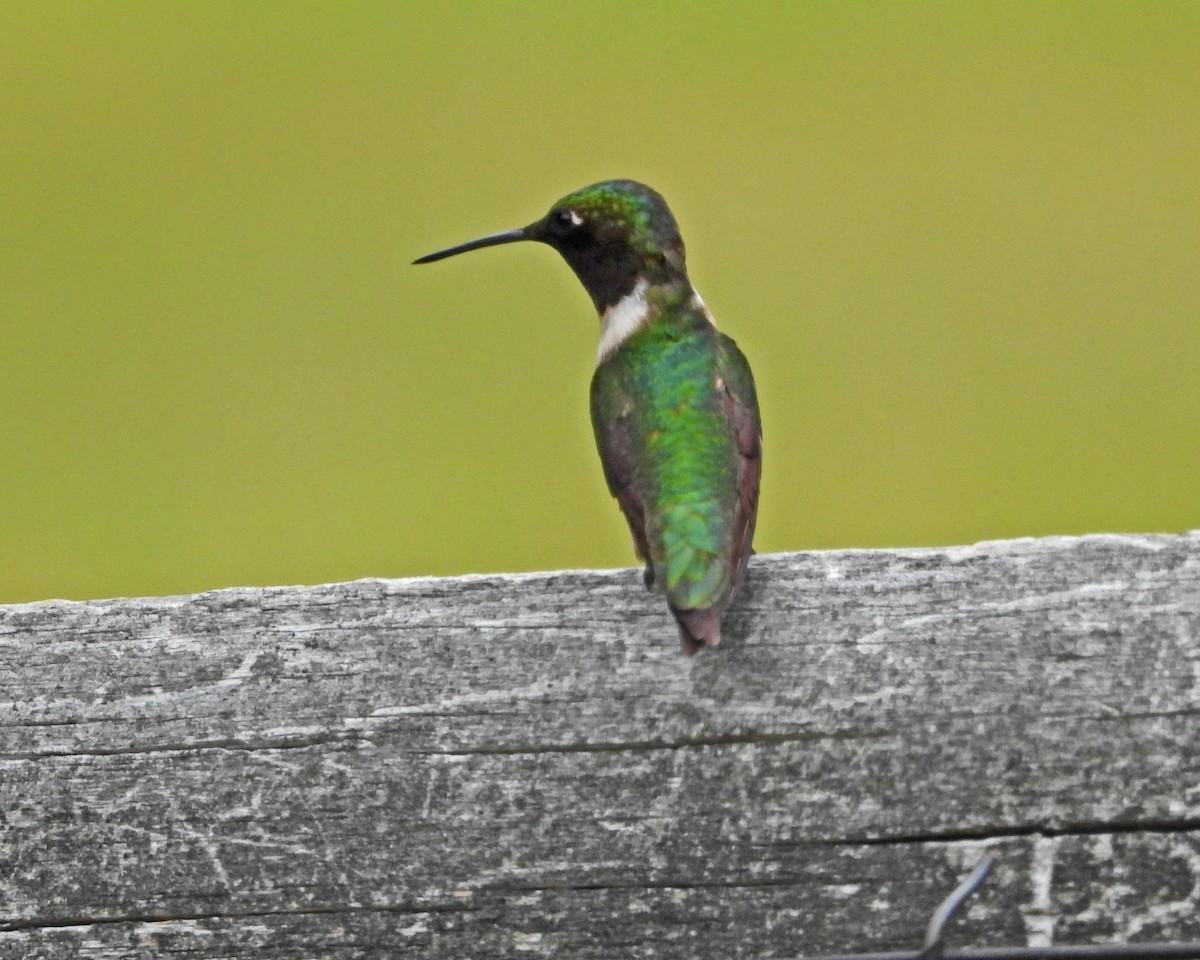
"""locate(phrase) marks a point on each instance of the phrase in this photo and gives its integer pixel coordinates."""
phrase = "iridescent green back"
(680, 449)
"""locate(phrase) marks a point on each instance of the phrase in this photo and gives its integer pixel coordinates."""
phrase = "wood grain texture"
(523, 765)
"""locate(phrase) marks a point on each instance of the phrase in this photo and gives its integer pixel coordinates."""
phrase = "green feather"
(684, 462)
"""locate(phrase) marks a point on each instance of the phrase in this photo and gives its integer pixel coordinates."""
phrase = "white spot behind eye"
(576, 218)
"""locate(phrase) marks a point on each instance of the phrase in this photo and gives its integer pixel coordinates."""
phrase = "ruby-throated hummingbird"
(673, 402)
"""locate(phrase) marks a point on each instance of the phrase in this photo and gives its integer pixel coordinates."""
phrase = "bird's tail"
(698, 628)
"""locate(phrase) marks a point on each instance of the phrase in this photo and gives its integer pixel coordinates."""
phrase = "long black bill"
(491, 240)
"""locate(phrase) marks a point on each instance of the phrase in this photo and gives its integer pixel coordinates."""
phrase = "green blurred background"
(960, 244)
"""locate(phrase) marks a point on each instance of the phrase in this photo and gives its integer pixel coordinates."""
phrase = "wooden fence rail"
(524, 766)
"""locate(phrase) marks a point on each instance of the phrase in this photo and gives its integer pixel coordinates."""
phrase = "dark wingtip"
(698, 628)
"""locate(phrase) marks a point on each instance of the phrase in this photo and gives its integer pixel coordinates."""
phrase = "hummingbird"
(673, 403)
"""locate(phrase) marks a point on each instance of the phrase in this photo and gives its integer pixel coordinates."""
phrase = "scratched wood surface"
(511, 766)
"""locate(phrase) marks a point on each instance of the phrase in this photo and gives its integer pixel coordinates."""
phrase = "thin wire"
(933, 948)
(946, 909)
(1106, 951)
(1103, 951)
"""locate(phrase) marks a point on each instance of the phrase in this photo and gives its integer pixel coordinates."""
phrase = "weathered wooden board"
(524, 765)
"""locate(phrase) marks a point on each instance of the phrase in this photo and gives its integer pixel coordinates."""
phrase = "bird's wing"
(741, 411)
(611, 422)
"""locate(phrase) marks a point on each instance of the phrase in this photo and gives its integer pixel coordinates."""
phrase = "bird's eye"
(567, 218)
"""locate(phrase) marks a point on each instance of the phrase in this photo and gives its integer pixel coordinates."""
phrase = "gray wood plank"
(523, 765)
(1067, 889)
